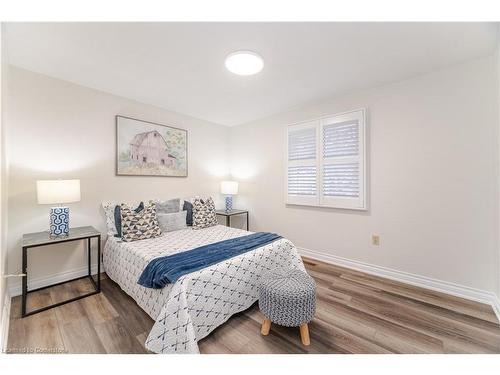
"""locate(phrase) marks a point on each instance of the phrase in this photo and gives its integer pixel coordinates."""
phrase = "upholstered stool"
(287, 298)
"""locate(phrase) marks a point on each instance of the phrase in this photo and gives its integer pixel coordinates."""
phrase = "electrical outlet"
(375, 240)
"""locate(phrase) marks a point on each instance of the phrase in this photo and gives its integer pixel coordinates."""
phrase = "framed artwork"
(145, 148)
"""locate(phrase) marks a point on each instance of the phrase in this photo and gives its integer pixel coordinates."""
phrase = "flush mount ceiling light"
(244, 63)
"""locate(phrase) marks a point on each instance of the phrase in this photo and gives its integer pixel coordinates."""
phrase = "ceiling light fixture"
(244, 63)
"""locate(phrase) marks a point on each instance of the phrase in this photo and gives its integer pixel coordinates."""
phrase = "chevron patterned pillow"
(139, 225)
(204, 213)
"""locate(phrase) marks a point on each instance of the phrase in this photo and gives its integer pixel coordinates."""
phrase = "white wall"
(498, 103)
(62, 130)
(434, 171)
(433, 186)
(3, 191)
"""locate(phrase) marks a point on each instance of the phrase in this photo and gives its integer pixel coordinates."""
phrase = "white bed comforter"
(191, 308)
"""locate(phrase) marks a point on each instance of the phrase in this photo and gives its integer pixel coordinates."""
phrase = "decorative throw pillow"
(118, 218)
(139, 225)
(109, 211)
(188, 207)
(204, 213)
(168, 207)
(172, 221)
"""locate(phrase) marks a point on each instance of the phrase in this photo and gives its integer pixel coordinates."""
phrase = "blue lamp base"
(59, 222)
(229, 203)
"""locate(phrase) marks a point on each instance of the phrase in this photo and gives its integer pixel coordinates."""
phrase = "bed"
(192, 307)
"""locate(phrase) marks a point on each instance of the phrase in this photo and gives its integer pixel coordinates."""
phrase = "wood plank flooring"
(356, 313)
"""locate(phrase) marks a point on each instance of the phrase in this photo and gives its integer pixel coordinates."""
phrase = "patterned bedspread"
(191, 308)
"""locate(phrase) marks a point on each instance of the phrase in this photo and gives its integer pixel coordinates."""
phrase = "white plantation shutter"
(343, 160)
(302, 170)
(302, 144)
(340, 139)
(341, 180)
(302, 180)
(326, 162)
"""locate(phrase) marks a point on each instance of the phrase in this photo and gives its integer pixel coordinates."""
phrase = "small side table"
(231, 213)
(43, 239)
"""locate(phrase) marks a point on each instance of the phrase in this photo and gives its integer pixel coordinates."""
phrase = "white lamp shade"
(58, 191)
(229, 187)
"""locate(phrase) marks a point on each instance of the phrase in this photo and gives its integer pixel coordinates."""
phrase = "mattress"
(192, 307)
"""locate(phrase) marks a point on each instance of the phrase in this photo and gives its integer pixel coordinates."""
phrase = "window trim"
(319, 200)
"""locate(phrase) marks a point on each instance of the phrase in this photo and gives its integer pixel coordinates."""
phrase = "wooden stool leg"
(304, 334)
(266, 326)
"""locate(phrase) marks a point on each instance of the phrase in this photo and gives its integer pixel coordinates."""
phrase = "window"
(326, 162)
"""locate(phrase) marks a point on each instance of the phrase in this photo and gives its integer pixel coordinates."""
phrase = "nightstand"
(38, 239)
(231, 213)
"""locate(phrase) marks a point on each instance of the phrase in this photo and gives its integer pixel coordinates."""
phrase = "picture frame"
(145, 148)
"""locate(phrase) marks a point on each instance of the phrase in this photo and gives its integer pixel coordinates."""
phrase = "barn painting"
(150, 149)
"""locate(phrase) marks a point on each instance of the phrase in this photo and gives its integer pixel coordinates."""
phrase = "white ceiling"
(180, 66)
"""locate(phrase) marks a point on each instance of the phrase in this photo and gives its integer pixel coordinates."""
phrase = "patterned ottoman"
(287, 298)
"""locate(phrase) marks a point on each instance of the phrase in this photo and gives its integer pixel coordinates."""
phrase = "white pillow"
(109, 211)
(172, 221)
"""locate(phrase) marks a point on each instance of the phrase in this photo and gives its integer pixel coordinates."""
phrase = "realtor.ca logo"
(35, 351)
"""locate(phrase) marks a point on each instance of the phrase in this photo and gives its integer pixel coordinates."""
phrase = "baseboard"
(4, 329)
(15, 288)
(457, 290)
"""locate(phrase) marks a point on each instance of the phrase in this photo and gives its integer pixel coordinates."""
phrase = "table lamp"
(229, 188)
(58, 192)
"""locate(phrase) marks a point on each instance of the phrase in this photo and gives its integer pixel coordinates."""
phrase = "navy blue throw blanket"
(168, 269)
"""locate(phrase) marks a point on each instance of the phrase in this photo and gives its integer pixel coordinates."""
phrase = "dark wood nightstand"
(232, 213)
(43, 239)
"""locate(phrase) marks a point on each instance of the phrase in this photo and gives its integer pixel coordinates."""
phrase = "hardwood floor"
(356, 313)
